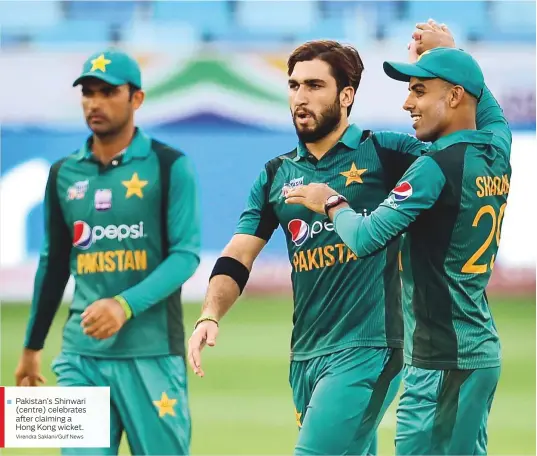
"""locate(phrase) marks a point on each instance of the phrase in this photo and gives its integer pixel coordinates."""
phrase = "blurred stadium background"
(214, 73)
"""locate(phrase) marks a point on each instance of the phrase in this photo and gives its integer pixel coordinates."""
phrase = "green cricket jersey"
(451, 203)
(340, 301)
(131, 228)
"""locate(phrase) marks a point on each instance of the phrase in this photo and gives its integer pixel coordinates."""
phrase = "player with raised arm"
(451, 203)
(347, 339)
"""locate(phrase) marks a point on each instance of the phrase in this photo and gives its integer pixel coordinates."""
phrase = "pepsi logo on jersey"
(300, 230)
(84, 235)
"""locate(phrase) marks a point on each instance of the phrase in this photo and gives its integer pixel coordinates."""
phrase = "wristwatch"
(333, 201)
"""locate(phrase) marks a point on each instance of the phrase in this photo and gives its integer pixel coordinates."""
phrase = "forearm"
(167, 278)
(49, 287)
(222, 293)
(367, 235)
(230, 274)
(353, 230)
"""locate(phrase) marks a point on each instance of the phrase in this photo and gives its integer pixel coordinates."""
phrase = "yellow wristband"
(207, 318)
(125, 306)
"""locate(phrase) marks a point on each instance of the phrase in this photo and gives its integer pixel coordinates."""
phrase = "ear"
(456, 95)
(346, 97)
(138, 98)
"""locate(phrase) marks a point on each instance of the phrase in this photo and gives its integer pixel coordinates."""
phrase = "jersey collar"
(462, 136)
(350, 139)
(139, 147)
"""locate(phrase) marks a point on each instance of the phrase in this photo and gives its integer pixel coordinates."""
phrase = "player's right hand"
(28, 372)
(205, 334)
(412, 51)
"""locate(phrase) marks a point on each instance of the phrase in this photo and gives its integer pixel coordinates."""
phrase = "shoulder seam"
(272, 166)
(434, 154)
(55, 168)
(432, 158)
(291, 154)
(451, 146)
(161, 148)
(374, 137)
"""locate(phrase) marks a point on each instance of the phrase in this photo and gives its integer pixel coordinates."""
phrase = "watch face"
(332, 199)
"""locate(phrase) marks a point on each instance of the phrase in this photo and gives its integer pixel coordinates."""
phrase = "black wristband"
(232, 268)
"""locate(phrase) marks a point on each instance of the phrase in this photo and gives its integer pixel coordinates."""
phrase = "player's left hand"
(103, 318)
(312, 196)
(430, 35)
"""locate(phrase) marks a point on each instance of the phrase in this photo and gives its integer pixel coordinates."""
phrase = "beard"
(324, 124)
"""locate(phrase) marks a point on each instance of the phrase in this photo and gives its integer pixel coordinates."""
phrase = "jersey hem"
(383, 343)
(442, 365)
(120, 355)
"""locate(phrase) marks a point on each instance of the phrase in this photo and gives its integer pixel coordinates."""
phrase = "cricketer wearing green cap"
(451, 204)
(449, 64)
(121, 217)
(114, 67)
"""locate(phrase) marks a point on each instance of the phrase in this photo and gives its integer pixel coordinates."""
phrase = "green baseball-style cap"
(450, 64)
(113, 67)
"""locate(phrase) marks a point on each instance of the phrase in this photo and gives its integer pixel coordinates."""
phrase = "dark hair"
(345, 62)
(132, 90)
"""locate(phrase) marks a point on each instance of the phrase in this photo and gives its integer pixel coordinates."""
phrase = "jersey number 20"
(470, 267)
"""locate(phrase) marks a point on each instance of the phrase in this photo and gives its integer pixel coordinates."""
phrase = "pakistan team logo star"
(100, 63)
(354, 175)
(134, 186)
(165, 405)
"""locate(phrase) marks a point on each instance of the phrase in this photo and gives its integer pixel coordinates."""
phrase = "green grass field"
(244, 405)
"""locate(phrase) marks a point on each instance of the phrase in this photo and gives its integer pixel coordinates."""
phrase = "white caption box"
(57, 417)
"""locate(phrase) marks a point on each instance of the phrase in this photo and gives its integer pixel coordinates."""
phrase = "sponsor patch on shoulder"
(402, 192)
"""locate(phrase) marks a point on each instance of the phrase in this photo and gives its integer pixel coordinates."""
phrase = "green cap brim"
(102, 76)
(405, 71)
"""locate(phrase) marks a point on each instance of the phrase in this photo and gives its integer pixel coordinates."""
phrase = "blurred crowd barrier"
(222, 99)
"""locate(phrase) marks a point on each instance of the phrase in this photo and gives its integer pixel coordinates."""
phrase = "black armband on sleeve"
(232, 268)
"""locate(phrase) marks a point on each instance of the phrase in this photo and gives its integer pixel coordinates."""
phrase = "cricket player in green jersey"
(347, 339)
(346, 347)
(121, 217)
(451, 203)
